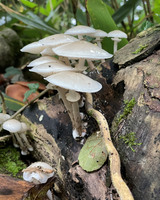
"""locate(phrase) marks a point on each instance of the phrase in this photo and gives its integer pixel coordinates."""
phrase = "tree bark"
(142, 82)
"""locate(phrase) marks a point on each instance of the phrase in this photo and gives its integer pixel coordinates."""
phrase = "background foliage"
(34, 19)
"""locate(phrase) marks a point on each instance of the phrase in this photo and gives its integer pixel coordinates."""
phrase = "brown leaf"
(12, 188)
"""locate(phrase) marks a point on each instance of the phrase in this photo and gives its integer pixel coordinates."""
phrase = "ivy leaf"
(93, 154)
(10, 71)
(33, 87)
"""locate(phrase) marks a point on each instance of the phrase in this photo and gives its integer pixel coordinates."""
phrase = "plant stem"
(3, 103)
(117, 180)
(21, 109)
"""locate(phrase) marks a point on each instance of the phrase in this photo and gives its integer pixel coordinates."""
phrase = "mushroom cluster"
(18, 131)
(63, 64)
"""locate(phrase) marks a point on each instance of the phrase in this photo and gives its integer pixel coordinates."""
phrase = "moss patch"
(10, 162)
(141, 48)
(127, 110)
(130, 140)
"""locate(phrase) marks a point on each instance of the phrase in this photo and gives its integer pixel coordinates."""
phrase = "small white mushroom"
(80, 30)
(99, 34)
(4, 117)
(14, 126)
(39, 172)
(115, 36)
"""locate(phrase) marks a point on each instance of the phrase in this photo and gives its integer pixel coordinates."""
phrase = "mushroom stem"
(62, 93)
(91, 65)
(22, 147)
(80, 37)
(118, 182)
(14, 140)
(80, 63)
(65, 60)
(3, 103)
(77, 117)
(115, 46)
(23, 136)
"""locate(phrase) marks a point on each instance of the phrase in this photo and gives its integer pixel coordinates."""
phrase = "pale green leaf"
(93, 154)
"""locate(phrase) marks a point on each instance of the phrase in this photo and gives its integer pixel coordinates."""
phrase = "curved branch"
(118, 182)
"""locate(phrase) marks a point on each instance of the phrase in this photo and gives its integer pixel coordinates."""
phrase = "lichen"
(10, 162)
(141, 48)
(130, 140)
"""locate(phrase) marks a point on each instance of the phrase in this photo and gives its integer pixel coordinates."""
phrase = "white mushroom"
(13, 126)
(49, 68)
(115, 36)
(34, 48)
(4, 117)
(39, 172)
(57, 40)
(73, 82)
(17, 131)
(82, 50)
(99, 34)
(80, 30)
(42, 60)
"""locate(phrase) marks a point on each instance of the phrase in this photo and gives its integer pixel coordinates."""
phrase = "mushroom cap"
(117, 34)
(42, 60)
(81, 49)
(74, 81)
(99, 33)
(49, 68)
(40, 171)
(73, 96)
(12, 125)
(34, 48)
(57, 39)
(4, 117)
(80, 30)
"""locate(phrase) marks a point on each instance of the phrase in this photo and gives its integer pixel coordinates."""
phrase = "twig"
(3, 103)
(117, 180)
(21, 109)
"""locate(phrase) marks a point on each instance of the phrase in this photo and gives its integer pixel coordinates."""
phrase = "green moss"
(10, 162)
(130, 140)
(127, 110)
(141, 48)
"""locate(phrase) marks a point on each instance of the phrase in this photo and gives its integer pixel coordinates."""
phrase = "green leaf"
(33, 88)
(102, 19)
(93, 154)
(29, 4)
(11, 103)
(32, 22)
(124, 10)
(10, 71)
